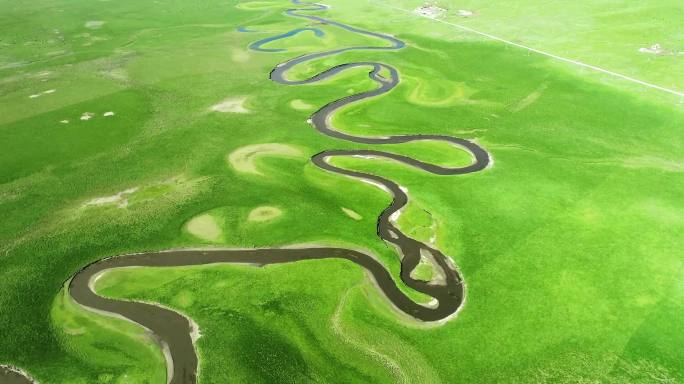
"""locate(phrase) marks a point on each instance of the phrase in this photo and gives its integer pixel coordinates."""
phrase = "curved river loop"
(176, 333)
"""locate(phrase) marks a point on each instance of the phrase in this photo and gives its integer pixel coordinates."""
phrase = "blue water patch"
(256, 46)
(245, 29)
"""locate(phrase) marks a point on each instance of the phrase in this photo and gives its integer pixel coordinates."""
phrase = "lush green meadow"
(570, 244)
(604, 33)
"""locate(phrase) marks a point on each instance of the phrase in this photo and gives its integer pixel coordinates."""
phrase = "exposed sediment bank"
(14, 375)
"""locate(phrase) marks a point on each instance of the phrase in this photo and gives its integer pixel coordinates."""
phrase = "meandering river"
(174, 331)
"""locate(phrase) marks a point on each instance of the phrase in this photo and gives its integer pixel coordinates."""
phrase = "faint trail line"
(535, 50)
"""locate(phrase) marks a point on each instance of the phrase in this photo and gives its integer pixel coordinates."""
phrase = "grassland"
(604, 33)
(569, 244)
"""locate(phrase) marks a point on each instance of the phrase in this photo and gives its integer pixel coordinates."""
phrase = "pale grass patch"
(204, 227)
(242, 159)
(264, 213)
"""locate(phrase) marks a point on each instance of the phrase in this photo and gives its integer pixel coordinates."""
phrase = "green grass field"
(570, 244)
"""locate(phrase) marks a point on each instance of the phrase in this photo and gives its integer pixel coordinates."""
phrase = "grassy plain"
(605, 33)
(568, 244)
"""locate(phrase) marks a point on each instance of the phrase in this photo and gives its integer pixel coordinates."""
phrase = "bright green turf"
(605, 33)
(569, 245)
(82, 333)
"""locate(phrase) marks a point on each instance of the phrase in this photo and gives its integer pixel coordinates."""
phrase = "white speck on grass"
(49, 91)
(87, 116)
(431, 11)
(108, 114)
(353, 214)
(368, 157)
(94, 24)
(64, 121)
(233, 105)
(119, 199)
(655, 49)
(465, 13)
